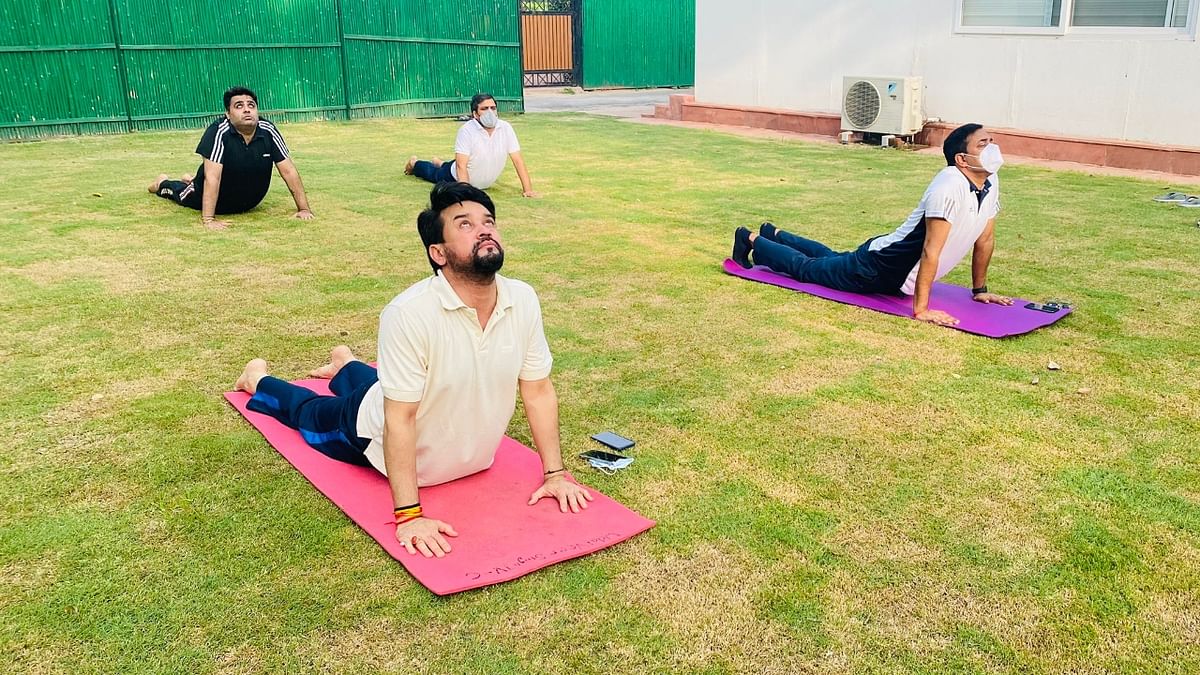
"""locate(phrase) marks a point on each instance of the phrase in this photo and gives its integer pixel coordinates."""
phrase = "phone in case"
(601, 455)
(612, 440)
(1049, 307)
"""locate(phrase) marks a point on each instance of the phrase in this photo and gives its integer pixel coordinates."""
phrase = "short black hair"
(480, 98)
(442, 197)
(956, 142)
(238, 91)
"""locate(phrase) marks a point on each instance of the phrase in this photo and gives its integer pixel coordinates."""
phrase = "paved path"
(612, 102)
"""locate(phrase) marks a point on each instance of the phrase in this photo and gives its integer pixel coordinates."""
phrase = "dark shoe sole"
(741, 247)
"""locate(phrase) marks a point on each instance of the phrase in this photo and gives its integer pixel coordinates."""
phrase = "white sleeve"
(511, 139)
(462, 142)
(403, 347)
(538, 361)
(939, 202)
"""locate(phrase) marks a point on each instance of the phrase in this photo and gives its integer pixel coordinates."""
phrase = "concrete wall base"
(1099, 152)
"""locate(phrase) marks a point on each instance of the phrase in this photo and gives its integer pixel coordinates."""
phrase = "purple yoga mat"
(995, 321)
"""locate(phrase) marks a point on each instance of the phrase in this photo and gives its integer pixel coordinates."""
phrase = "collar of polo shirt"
(979, 192)
(451, 301)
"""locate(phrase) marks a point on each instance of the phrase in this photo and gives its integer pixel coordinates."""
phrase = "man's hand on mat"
(568, 494)
(936, 316)
(992, 299)
(425, 535)
(304, 214)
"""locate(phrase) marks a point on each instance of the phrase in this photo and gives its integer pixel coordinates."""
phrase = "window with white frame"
(1059, 16)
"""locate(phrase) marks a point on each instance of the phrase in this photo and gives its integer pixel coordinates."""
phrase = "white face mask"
(990, 159)
(608, 467)
(488, 118)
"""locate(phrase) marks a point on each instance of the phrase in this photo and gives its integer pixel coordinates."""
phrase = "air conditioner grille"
(862, 104)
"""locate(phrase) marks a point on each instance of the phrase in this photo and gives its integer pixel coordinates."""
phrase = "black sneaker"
(741, 247)
(768, 230)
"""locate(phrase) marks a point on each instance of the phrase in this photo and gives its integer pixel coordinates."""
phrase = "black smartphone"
(1039, 307)
(612, 440)
(601, 455)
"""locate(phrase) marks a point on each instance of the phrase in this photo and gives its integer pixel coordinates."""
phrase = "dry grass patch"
(1179, 613)
(781, 486)
(917, 619)
(27, 576)
(708, 600)
(118, 277)
(108, 400)
(867, 542)
(243, 658)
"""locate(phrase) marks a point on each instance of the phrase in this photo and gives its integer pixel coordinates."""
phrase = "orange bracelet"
(403, 515)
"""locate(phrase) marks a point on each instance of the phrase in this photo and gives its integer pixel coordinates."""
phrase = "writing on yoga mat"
(500, 536)
(994, 321)
(542, 559)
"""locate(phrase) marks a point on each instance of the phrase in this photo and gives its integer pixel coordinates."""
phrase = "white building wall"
(793, 53)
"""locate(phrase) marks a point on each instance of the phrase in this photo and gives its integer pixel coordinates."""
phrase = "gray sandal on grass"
(1191, 203)
(1171, 197)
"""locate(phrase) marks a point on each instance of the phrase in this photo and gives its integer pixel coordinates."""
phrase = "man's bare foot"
(338, 357)
(187, 178)
(408, 166)
(255, 370)
(153, 187)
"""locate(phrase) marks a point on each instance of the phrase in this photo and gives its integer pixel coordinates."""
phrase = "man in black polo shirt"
(238, 151)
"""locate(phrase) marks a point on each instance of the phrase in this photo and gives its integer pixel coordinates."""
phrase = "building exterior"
(1107, 76)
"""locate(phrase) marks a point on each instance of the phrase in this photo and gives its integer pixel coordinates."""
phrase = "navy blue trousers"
(178, 192)
(433, 174)
(815, 263)
(328, 423)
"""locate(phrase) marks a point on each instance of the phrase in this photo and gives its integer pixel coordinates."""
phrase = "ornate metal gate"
(550, 42)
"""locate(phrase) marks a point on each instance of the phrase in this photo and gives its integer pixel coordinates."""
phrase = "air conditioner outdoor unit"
(882, 105)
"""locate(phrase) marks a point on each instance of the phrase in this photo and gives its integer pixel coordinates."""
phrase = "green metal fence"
(96, 66)
(427, 57)
(636, 43)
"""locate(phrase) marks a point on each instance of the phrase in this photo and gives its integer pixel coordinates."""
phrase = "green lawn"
(835, 489)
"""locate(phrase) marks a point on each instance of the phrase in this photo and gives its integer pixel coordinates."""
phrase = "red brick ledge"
(1100, 152)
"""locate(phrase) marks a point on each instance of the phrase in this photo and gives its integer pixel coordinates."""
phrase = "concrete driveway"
(613, 102)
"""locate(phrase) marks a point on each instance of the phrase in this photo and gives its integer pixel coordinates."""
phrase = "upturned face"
(976, 142)
(472, 245)
(242, 112)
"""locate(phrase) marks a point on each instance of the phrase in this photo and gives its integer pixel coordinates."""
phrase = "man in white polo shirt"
(957, 214)
(453, 351)
(481, 149)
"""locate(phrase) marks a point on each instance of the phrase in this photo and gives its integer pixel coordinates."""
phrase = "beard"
(480, 266)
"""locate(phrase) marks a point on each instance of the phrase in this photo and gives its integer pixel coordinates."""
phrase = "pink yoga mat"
(499, 537)
(995, 321)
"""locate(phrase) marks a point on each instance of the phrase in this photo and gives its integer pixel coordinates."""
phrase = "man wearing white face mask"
(957, 214)
(480, 151)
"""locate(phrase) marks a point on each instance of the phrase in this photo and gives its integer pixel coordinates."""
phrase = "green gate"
(639, 43)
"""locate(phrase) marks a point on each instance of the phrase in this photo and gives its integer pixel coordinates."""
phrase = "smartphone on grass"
(614, 441)
(602, 456)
